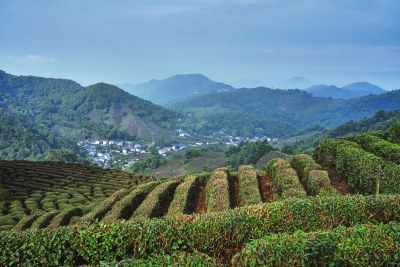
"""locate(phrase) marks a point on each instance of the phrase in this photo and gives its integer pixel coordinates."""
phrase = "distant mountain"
(353, 90)
(175, 88)
(71, 110)
(278, 112)
(295, 83)
(380, 121)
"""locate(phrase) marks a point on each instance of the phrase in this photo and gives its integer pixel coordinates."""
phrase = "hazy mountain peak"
(365, 87)
(353, 90)
(175, 87)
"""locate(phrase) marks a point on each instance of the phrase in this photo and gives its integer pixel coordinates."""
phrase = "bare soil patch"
(234, 197)
(198, 203)
(339, 182)
(265, 187)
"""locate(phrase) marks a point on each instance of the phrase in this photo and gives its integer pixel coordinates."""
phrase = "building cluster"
(102, 151)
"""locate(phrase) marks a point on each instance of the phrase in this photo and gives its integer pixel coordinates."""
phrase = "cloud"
(36, 59)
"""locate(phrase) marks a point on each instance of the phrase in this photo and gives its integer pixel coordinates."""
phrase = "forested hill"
(296, 108)
(175, 87)
(381, 121)
(71, 110)
(20, 139)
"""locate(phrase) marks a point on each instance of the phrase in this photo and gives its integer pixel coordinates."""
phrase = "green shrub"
(103, 207)
(360, 167)
(217, 191)
(361, 245)
(184, 195)
(151, 206)
(312, 174)
(248, 183)
(326, 152)
(394, 133)
(124, 208)
(213, 234)
(174, 259)
(378, 146)
(285, 179)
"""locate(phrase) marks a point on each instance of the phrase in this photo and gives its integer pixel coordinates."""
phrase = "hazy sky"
(326, 41)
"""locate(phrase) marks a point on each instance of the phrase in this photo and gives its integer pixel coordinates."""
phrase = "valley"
(223, 173)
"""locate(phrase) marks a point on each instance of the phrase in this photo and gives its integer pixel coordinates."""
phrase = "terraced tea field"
(55, 194)
(52, 194)
(293, 212)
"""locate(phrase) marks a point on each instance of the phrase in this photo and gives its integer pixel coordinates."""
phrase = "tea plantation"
(340, 207)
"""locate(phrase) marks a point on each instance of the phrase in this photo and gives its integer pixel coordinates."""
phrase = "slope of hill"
(211, 219)
(101, 110)
(175, 88)
(52, 193)
(21, 139)
(381, 121)
(353, 90)
(294, 109)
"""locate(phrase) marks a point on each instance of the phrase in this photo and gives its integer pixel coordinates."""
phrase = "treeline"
(65, 104)
(20, 139)
(151, 162)
(246, 153)
(380, 121)
(293, 108)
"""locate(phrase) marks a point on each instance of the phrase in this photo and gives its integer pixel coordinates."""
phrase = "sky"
(239, 42)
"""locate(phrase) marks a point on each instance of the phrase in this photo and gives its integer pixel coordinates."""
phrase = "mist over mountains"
(353, 90)
(175, 87)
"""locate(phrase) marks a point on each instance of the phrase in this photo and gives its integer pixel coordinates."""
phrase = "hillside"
(353, 90)
(21, 139)
(277, 112)
(98, 111)
(380, 121)
(175, 88)
(346, 198)
(45, 194)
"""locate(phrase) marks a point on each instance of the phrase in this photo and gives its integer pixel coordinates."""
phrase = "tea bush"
(285, 179)
(361, 245)
(248, 183)
(211, 233)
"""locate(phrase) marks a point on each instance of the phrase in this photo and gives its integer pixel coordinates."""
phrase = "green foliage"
(316, 180)
(376, 125)
(152, 206)
(184, 194)
(361, 168)
(361, 245)
(21, 139)
(278, 112)
(285, 179)
(394, 133)
(211, 234)
(248, 184)
(377, 146)
(152, 162)
(4, 194)
(246, 153)
(217, 191)
(192, 153)
(56, 193)
(65, 105)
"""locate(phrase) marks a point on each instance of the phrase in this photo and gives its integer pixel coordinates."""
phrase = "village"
(111, 154)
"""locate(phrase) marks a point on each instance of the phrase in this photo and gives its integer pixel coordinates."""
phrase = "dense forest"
(64, 106)
(21, 139)
(280, 110)
(246, 153)
(380, 121)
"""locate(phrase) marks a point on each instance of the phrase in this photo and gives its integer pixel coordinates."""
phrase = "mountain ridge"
(176, 87)
(353, 90)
